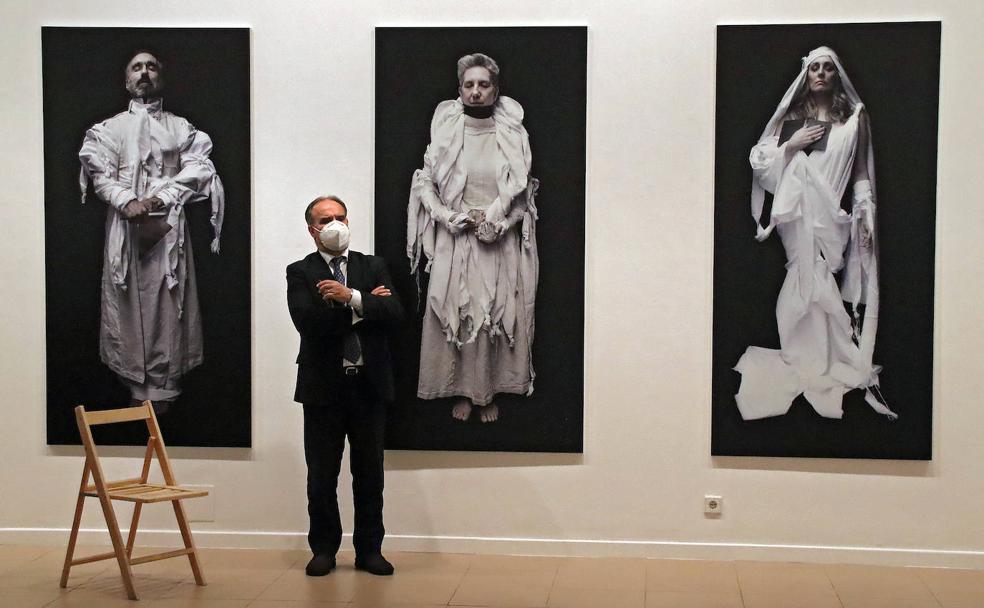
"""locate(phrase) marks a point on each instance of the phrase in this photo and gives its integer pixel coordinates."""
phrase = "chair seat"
(150, 492)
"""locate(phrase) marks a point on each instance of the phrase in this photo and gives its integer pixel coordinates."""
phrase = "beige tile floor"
(275, 579)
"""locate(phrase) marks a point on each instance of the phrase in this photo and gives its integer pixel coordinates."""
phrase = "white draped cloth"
(822, 355)
(150, 330)
(479, 309)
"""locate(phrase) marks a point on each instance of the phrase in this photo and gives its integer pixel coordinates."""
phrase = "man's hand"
(141, 207)
(333, 291)
(154, 203)
(135, 208)
(382, 290)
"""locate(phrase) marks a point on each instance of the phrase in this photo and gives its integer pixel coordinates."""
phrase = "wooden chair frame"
(135, 490)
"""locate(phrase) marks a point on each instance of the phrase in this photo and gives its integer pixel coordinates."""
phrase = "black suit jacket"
(323, 327)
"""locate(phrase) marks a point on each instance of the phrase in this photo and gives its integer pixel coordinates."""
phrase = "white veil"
(758, 193)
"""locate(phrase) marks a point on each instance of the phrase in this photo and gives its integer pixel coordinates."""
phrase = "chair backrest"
(125, 414)
(155, 443)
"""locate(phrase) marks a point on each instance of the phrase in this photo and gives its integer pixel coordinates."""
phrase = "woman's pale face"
(821, 75)
(476, 87)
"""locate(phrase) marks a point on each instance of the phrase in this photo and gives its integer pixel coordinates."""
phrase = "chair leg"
(76, 522)
(189, 542)
(70, 553)
(132, 535)
(118, 547)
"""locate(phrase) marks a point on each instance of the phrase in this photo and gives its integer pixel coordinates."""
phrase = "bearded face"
(143, 76)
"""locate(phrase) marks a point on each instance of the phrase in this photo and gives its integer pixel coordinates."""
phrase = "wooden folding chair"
(135, 490)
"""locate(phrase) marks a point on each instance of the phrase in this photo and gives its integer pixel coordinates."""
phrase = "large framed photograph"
(824, 239)
(147, 229)
(479, 212)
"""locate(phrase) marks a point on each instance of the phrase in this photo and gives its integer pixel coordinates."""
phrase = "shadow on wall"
(897, 468)
(400, 460)
(174, 453)
(427, 523)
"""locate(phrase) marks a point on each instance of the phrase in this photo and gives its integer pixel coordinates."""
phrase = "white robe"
(479, 309)
(150, 330)
(820, 355)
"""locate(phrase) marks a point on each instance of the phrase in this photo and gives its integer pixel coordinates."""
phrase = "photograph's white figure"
(472, 222)
(147, 164)
(825, 350)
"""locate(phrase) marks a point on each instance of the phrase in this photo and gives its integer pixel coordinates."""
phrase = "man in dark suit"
(342, 304)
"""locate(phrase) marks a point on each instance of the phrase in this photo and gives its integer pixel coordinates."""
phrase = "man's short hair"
(479, 60)
(330, 197)
(149, 51)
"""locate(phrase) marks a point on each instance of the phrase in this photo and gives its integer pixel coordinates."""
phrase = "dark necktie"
(351, 349)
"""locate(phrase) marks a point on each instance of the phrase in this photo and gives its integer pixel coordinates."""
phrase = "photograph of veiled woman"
(826, 348)
(851, 300)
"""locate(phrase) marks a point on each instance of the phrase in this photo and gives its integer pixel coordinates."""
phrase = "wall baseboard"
(886, 556)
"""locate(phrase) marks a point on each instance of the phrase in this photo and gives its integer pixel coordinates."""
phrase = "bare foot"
(489, 413)
(461, 410)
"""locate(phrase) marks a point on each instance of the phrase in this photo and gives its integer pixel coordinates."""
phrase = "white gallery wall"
(638, 488)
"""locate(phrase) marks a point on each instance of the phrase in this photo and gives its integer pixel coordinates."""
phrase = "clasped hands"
(333, 291)
(486, 231)
(137, 208)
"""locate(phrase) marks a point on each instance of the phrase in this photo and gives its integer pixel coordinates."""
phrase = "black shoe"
(320, 565)
(374, 563)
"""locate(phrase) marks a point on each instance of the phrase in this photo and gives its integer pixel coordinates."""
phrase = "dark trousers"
(358, 414)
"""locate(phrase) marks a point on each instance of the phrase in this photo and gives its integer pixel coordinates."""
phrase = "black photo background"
(895, 68)
(544, 69)
(207, 82)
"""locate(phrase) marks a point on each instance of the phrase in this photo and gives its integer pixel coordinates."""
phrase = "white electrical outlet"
(713, 505)
(200, 509)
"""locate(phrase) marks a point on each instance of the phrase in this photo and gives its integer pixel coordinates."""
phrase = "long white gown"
(820, 355)
(478, 325)
(150, 330)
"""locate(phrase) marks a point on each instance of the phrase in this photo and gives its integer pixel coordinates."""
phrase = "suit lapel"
(356, 270)
(318, 269)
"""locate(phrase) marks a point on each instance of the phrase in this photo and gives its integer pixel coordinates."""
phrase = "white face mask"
(335, 236)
